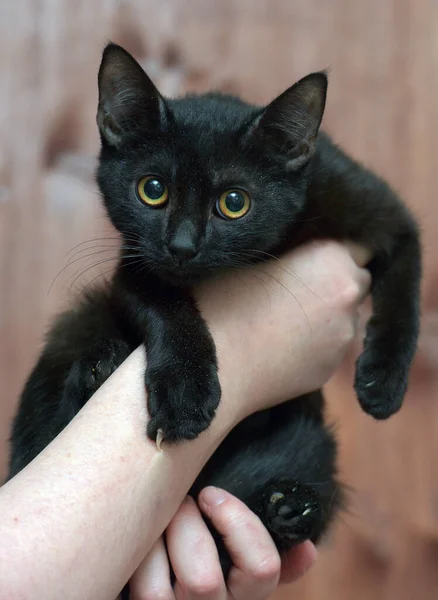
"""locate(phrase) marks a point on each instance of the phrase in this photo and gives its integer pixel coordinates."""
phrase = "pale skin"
(90, 509)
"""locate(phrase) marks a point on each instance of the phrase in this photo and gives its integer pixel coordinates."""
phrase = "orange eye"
(233, 204)
(152, 191)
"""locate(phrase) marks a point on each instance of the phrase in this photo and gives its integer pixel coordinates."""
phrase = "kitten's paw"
(103, 359)
(181, 402)
(293, 513)
(100, 362)
(93, 369)
(380, 384)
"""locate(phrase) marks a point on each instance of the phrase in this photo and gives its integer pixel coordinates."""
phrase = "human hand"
(286, 325)
(192, 552)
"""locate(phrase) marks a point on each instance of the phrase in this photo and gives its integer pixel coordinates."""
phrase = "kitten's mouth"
(182, 276)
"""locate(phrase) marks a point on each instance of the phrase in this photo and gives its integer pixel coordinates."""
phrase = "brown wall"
(383, 56)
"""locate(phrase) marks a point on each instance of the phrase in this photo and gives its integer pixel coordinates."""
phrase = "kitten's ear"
(290, 123)
(127, 97)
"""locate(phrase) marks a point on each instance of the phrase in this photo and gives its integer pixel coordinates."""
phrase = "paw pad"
(276, 496)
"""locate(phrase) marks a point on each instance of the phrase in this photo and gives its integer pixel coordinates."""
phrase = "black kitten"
(196, 185)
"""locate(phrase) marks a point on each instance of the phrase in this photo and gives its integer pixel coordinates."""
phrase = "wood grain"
(383, 56)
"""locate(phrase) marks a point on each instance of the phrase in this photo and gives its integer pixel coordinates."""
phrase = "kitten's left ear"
(290, 124)
(127, 97)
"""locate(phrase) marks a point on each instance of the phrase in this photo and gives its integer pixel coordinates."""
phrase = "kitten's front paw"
(181, 401)
(293, 513)
(380, 384)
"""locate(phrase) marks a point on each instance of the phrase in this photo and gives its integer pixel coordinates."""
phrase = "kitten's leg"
(346, 201)
(181, 375)
(281, 464)
(382, 371)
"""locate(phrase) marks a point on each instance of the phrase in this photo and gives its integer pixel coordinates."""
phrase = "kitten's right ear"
(127, 97)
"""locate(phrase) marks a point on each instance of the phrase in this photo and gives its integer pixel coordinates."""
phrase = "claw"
(370, 384)
(160, 438)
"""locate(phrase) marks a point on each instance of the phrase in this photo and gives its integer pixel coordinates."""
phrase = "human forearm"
(74, 521)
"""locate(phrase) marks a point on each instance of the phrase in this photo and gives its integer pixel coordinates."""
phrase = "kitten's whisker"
(283, 268)
(266, 258)
(128, 237)
(94, 279)
(102, 249)
(106, 273)
(72, 262)
(238, 262)
(109, 246)
(92, 240)
(265, 283)
(83, 271)
(269, 257)
(293, 296)
(143, 267)
(73, 278)
(241, 265)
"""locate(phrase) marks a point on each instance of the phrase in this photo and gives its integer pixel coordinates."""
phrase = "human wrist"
(282, 328)
(241, 320)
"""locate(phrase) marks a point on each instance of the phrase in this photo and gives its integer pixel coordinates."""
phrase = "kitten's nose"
(183, 252)
(183, 244)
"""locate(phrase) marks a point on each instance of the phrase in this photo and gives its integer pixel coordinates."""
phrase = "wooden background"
(383, 56)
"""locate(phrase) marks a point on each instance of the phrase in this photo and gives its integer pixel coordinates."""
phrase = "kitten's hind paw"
(380, 385)
(293, 513)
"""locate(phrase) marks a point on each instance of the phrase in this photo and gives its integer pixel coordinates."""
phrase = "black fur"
(281, 462)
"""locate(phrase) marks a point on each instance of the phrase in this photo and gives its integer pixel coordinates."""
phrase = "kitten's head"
(202, 182)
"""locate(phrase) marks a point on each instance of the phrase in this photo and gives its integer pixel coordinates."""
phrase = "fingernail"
(213, 496)
(312, 552)
(297, 561)
(310, 559)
